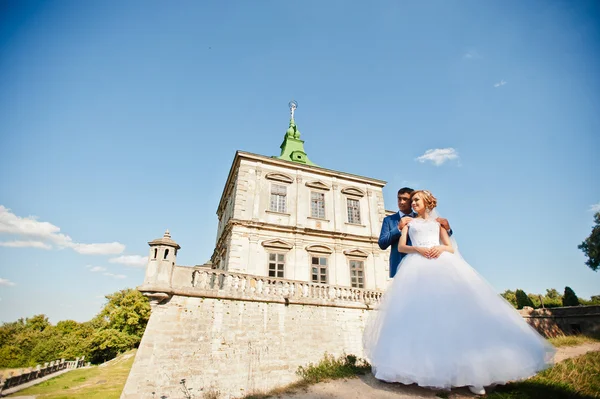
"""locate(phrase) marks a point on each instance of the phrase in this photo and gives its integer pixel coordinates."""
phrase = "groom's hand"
(444, 223)
(403, 222)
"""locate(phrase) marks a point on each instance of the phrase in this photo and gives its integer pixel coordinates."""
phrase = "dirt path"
(368, 387)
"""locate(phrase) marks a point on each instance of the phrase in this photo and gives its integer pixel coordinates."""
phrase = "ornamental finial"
(293, 106)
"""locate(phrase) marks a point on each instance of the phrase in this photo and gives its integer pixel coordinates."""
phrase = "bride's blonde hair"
(428, 198)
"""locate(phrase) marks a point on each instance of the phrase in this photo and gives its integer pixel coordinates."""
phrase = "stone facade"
(238, 334)
(272, 207)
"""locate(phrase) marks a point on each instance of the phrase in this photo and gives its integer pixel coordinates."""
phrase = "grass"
(573, 340)
(96, 382)
(577, 378)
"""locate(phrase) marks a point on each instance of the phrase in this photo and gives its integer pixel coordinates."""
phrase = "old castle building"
(285, 217)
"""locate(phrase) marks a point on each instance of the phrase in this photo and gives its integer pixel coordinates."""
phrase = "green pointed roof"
(292, 148)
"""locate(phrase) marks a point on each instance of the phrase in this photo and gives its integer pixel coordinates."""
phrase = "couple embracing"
(440, 324)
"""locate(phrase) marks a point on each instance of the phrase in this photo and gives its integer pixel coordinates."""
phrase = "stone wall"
(239, 334)
(564, 321)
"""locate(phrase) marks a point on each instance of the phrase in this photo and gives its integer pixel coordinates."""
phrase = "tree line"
(552, 299)
(118, 327)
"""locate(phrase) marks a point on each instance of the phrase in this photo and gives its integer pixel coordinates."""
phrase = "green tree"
(591, 245)
(37, 323)
(536, 300)
(510, 297)
(49, 346)
(552, 293)
(9, 330)
(127, 311)
(106, 344)
(522, 299)
(118, 327)
(570, 298)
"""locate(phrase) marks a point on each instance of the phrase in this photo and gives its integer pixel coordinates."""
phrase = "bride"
(441, 325)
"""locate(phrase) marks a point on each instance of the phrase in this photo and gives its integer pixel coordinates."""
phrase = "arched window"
(155, 252)
(166, 253)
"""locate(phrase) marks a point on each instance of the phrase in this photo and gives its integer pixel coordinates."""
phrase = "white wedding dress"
(441, 325)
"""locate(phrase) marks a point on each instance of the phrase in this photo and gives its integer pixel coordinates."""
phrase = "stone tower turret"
(161, 261)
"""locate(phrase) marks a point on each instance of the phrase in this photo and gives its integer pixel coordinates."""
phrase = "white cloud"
(117, 276)
(6, 282)
(47, 232)
(438, 156)
(471, 55)
(111, 248)
(95, 269)
(500, 83)
(595, 208)
(25, 244)
(130, 260)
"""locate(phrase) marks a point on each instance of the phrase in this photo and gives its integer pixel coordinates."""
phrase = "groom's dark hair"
(405, 190)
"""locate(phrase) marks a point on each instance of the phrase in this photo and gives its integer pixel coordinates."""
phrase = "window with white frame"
(317, 205)
(276, 265)
(319, 269)
(353, 210)
(278, 198)
(357, 274)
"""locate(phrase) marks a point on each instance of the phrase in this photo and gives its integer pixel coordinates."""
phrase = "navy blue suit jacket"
(390, 235)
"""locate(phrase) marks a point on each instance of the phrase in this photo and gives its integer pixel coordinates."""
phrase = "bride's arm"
(407, 249)
(445, 240)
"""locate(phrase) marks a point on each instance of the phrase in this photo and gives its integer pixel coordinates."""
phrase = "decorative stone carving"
(319, 249)
(353, 191)
(280, 177)
(319, 185)
(277, 244)
(356, 253)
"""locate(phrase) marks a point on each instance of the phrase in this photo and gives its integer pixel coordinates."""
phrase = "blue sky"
(121, 119)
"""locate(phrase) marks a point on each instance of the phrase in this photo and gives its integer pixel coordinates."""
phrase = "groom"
(392, 226)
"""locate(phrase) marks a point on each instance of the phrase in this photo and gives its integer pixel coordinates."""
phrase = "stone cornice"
(301, 230)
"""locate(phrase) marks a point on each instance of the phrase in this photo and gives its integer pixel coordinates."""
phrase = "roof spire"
(292, 148)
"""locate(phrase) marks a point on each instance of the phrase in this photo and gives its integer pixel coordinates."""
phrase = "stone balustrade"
(33, 373)
(213, 283)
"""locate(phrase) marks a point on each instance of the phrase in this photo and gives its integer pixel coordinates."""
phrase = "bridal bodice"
(424, 233)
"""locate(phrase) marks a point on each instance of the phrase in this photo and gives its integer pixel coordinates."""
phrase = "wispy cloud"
(6, 282)
(25, 244)
(438, 156)
(471, 55)
(500, 83)
(130, 260)
(115, 276)
(100, 269)
(95, 269)
(47, 235)
(595, 208)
